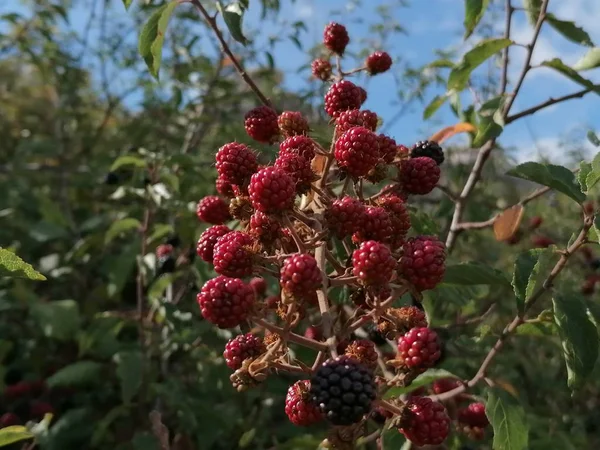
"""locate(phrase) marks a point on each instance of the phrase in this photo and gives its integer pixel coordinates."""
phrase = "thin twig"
(519, 319)
(551, 101)
(292, 337)
(487, 148)
(212, 23)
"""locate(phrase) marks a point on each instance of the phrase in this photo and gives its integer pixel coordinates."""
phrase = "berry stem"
(377, 311)
(292, 337)
(284, 367)
(391, 408)
(321, 257)
(212, 23)
(290, 226)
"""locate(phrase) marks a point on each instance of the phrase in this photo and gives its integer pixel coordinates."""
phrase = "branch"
(212, 23)
(551, 101)
(292, 337)
(487, 148)
(518, 319)
(505, 56)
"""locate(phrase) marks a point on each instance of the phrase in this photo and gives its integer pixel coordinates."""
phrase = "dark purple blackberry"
(430, 149)
(344, 390)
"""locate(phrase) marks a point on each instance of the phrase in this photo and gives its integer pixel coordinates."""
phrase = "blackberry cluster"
(344, 390)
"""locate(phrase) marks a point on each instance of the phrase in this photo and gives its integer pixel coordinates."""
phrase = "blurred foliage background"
(90, 143)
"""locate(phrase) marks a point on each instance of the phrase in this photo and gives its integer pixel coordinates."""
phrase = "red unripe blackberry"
(473, 415)
(299, 407)
(292, 123)
(17, 390)
(9, 419)
(399, 216)
(212, 209)
(235, 163)
(224, 188)
(419, 175)
(314, 333)
(356, 118)
(363, 95)
(357, 151)
(242, 347)
(378, 62)
(259, 285)
(344, 216)
(430, 149)
(425, 422)
(541, 241)
(232, 254)
(163, 250)
(298, 145)
(335, 37)
(38, 409)
(589, 285)
(300, 275)
(535, 222)
(298, 168)
(364, 352)
(225, 301)
(373, 263)
(375, 225)
(403, 152)
(321, 69)
(342, 96)
(272, 190)
(207, 241)
(264, 227)
(344, 390)
(419, 348)
(261, 124)
(423, 261)
(387, 148)
(445, 385)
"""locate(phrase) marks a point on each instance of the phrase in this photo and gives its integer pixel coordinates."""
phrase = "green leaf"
(80, 373)
(595, 140)
(459, 76)
(474, 10)
(127, 160)
(440, 64)
(435, 104)
(558, 178)
(473, 273)
(127, 3)
(594, 233)
(121, 226)
(508, 421)
(425, 379)
(488, 128)
(568, 72)
(247, 438)
(233, 15)
(578, 335)
(58, 319)
(570, 31)
(160, 230)
(130, 369)
(584, 170)
(594, 176)
(153, 35)
(14, 267)
(590, 60)
(392, 439)
(421, 223)
(533, 9)
(16, 433)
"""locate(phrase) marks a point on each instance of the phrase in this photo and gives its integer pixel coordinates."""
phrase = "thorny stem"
(290, 226)
(292, 337)
(519, 319)
(212, 23)
(487, 148)
(320, 256)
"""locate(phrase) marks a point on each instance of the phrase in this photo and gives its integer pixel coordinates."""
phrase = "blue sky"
(437, 24)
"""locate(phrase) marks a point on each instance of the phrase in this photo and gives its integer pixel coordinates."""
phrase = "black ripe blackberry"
(344, 390)
(430, 149)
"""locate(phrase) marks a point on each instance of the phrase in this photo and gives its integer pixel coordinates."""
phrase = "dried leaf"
(448, 132)
(507, 223)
